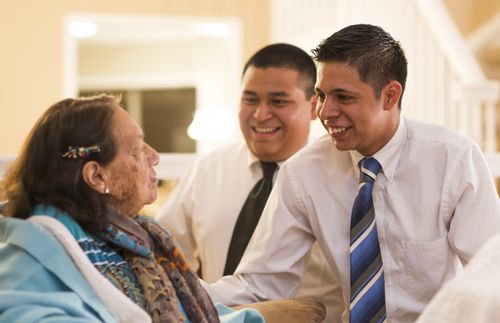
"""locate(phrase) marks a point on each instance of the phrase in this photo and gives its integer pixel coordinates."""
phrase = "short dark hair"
(377, 57)
(40, 175)
(281, 55)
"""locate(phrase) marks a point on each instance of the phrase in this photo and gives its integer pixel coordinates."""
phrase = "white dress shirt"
(472, 296)
(202, 211)
(435, 205)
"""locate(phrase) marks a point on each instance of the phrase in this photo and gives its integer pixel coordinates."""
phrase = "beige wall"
(31, 48)
(471, 14)
(31, 45)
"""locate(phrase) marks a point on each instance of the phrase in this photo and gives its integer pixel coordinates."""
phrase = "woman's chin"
(152, 198)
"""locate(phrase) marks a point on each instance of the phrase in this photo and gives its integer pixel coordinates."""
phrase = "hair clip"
(75, 152)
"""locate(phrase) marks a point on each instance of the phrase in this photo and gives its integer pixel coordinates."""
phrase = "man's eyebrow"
(334, 91)
(280, 93)
(343, 91)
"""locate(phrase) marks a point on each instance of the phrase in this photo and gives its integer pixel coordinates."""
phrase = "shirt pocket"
(426, 266)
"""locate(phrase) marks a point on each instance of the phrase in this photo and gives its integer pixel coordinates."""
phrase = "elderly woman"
(72, 245)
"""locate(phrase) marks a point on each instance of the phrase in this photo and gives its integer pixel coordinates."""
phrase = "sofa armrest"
(290, 310)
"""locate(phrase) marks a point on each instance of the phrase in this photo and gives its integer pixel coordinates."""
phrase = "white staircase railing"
(445, 83)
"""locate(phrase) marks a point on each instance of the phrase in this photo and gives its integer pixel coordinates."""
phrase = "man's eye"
(321, 97)
(345, 98)
(250, 101)
(279, 102)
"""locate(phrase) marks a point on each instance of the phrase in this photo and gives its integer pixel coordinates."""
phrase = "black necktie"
(249, 217)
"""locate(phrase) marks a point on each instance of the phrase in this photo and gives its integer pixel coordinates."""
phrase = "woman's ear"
(95, 177)
(391, 94)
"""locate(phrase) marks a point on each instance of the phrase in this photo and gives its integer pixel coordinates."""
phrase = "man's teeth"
(265, 130)
(337, 130)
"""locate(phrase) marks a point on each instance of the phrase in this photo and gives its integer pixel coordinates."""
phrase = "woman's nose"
(154, 156)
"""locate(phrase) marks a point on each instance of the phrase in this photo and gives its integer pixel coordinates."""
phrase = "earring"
(106, 190)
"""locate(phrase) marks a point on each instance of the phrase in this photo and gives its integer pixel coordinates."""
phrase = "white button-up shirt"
(202, 211)
(472, 296)
(435, 205)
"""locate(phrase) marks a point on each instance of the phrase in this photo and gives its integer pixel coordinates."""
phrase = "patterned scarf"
(155, 273)
(144, 261)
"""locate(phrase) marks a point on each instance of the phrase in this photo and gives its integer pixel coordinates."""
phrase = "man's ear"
(391, 94)
(95, 176)
(314, 101)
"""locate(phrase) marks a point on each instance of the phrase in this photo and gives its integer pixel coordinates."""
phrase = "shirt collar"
(253, 160)
(254, 163)
(388, 156)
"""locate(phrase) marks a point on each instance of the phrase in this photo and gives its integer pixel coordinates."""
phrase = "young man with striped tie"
(216, 206)
(397, 206)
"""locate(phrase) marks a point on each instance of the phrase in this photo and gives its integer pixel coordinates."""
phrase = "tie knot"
(268, 170)
(369, 167)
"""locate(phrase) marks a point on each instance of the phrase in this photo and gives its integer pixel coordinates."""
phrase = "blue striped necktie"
(367, 274)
